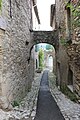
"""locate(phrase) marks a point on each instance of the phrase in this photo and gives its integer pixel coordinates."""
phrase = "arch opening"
(44, 57)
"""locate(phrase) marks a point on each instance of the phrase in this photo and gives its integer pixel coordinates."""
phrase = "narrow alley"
(47, 108)
(39, 59)
(28, 106)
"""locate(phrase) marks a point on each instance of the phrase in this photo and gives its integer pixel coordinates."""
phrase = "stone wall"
(1, 59)
(49, 37)
(76, 46)
(74, 62)
(61, 55)
(76, 22)
(68, 55)
(16, 72)
(61, 66)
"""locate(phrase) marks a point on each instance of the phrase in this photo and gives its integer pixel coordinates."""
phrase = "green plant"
(41, 58)
(64, 42)
(0, 4)
(69, 94)
(15, 103)
(75, 10)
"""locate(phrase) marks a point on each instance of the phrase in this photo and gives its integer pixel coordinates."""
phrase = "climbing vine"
(0, 4)
(75, 10)
(64, 42)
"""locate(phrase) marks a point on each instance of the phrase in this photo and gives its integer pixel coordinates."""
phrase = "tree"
(49, 47)
(36, 48)
(41, 58)
(0, 4)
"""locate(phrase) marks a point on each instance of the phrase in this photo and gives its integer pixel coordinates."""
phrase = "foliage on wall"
(75, 10)
(0, 4)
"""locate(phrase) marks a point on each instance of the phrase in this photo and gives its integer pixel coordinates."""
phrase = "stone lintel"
(49, 37)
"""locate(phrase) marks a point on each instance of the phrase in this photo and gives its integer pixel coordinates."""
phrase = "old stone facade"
(17, 40)
(68, 51)
(16, 72)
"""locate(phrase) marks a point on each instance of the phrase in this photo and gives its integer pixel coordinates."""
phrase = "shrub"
(41, 58)
(0, 4)
(69, 94)
(15, 103)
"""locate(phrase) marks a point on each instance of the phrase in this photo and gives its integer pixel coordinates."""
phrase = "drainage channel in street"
(47, 108)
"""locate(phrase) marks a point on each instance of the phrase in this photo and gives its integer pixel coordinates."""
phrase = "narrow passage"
(47, 108)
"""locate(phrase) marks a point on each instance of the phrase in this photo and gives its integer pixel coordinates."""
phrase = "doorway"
(70, 79)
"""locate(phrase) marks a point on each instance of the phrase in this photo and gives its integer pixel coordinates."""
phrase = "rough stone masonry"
(16, 73)
(68, 54)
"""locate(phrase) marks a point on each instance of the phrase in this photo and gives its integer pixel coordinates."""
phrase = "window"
(70, 77)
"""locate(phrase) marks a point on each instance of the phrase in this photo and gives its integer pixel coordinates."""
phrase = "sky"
(44, 13)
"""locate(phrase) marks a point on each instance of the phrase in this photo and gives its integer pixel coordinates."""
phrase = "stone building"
(16, 67)
(65, 15)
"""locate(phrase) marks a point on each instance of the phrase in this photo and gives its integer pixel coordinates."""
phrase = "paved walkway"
(27, 108)
(69, 109)
(47, 108)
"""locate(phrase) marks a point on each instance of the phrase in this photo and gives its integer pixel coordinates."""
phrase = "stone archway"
(48, 55)
(49, 37)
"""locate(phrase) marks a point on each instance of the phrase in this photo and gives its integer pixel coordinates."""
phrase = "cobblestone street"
(69, 109)
(27, 108)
